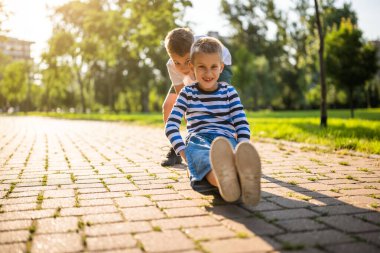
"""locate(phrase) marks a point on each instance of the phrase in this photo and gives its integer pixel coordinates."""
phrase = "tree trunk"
(255, 101)
(48, 98)
(352, 101)
(81, 89)
(321, 68)
(110, 91)
(28, 109)
(144, 100)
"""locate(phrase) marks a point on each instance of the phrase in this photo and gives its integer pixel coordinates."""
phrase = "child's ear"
(221, 67)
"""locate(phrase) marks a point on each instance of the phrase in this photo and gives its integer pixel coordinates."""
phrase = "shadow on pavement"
(293, 218)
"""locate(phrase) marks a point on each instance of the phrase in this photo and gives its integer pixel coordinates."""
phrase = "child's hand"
(182, 154)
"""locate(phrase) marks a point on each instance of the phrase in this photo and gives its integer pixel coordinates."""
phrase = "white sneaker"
(249, 169)
(223, 164)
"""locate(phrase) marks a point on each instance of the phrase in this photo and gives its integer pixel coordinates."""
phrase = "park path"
(87, 186)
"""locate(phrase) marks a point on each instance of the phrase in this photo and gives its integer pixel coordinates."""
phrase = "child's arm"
(174, 122)
(238, 116)
(178, 88)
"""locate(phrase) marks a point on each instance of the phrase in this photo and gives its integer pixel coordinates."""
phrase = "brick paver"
(81, 186)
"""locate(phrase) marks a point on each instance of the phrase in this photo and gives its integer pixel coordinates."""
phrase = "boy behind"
(178, 43)
(215, 116)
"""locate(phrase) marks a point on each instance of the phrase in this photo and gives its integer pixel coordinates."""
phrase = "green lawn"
(360, 134)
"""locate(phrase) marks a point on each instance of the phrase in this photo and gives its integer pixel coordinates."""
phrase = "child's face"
(181, 63)
(207, 69)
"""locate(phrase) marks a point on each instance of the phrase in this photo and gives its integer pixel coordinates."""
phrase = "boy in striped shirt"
(217, 146)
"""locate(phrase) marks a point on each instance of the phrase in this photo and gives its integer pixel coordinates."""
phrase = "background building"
(14, 48)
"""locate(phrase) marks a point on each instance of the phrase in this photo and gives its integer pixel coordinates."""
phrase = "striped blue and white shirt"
(219, 112)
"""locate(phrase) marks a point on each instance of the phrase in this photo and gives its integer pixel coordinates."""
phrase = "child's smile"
(207, 68)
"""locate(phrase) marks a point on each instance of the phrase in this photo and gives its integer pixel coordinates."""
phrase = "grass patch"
(44, 180)
(375, 196)
(57, 212)
(317, 161)
(303, 168)
(351, 178)
(73, 178)
(365, 170)
(173, 178)
(32, 230)
(104, 184)
(157, 228)
(154, 175)
(81, 225)
(11, 188)
(40, 199)
(360, 134)
(298, 196)
(76, 193)
(242, 235)
(293, 182)
(291, 246)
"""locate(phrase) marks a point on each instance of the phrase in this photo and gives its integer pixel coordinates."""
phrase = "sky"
(30, 21)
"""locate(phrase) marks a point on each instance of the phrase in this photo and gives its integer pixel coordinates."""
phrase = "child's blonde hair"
(206, 45)
(179, 41)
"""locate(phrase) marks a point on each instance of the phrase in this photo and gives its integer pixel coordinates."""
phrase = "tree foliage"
(113, 51)
(350, 61)
(107, 55)
(14, 83)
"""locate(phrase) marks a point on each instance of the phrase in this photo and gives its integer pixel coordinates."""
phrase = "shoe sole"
(249, 169)
(223, 164)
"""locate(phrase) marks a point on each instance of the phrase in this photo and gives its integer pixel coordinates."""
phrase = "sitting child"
(215, 117)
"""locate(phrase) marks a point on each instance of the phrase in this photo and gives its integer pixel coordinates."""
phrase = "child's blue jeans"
(198, 154)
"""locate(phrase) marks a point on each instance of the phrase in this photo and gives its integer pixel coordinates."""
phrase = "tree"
(15, 82)
(333, 16)
(252, 77)
(147, 57)
(252, 49)
(350, 61)
(114, 49)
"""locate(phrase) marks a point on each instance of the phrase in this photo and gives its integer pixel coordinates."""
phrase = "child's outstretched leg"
(223, 167)
(249, 169)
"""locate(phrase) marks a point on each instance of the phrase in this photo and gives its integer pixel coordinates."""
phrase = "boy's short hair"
(206, 45)
(179, 41)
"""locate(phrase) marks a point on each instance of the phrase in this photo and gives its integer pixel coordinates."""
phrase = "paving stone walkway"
(82, 186)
